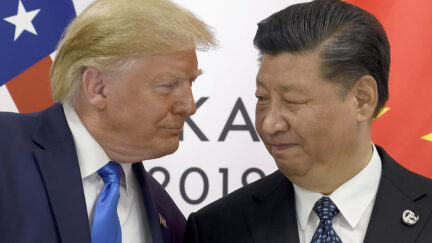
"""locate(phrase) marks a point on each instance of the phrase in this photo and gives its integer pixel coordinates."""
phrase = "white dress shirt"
(354, 199)
(91, 157)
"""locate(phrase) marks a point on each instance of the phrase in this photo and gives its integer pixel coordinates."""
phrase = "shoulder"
(226, 220)
(164, 204)
(10, 121)
(243, 197)
(401, 177)
(16, 127)
(17, 140)
(159, 193)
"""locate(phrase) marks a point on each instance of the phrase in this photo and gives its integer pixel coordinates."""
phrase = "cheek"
(149, 120)
(259, 119)
(152, 107)
(142, 117)
(327, 130)
(322, 126)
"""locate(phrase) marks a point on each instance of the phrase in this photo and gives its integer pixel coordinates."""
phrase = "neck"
(340, 177)
(105, 136)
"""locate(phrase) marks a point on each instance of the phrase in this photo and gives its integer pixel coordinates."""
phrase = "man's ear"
(93, 86)
(366, 94)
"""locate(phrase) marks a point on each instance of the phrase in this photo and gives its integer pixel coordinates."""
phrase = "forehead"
(182, 64)
(287, 69)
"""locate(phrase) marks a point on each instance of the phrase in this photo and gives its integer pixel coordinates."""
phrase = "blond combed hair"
(112, 30)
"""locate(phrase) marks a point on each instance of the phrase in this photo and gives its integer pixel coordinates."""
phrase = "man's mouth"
(281, 146)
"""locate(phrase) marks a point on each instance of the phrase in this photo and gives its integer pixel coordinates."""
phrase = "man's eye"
(261, 98)
(167, 85)
(294, 102)
(166, 88)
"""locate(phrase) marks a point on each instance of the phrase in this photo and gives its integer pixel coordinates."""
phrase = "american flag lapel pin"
(162, 221)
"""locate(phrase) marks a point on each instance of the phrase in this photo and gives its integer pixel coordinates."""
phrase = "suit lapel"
(272, 215)
(399, 190)
(58, 164)
(159, 235)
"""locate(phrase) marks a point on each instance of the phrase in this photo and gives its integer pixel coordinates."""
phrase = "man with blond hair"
(72, 173)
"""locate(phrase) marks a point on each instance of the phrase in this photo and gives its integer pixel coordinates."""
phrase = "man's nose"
(186, 103)
(274, 122)
(190, 103)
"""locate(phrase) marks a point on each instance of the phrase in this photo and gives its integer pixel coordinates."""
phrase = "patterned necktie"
(106, 225)
(326, 210)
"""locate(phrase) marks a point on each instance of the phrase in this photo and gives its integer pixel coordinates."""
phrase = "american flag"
(30, 31)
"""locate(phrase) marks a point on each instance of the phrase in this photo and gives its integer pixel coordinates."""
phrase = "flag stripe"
(31, 89)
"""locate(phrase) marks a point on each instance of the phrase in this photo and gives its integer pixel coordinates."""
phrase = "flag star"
(23, 20)
(428, 137)
(384, 110)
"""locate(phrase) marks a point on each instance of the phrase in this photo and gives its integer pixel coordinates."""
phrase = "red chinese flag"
(404, 128)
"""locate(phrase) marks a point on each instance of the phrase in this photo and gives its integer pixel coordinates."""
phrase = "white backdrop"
(209, 162)
(229, 75)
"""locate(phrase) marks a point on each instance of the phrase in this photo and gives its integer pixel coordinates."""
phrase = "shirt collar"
(91, 156)
(352, 198)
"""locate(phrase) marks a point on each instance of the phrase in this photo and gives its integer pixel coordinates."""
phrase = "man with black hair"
(323, 78)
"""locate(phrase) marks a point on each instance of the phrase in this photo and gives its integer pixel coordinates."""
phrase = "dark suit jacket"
(264, 211)
(41, 192)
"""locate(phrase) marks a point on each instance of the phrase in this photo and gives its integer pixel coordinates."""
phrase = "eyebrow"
(192, 78)
(284, 88)
(199, 73)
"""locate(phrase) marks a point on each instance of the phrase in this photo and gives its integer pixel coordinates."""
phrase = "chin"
(172, 149)
(166, 149)
(291, 169)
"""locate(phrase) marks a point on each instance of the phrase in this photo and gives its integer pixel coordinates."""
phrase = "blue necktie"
(106, 224)
(326, 210)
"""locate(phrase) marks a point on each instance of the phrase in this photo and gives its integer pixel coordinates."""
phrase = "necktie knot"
(325, 209)
(110, 173)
